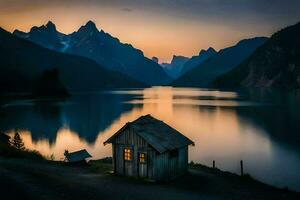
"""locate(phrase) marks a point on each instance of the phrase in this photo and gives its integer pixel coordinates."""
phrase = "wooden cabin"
(77, 157)
(149, 148)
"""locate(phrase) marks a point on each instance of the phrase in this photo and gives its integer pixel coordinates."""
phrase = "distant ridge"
(197, 60)
(221, 62)
(174, 68)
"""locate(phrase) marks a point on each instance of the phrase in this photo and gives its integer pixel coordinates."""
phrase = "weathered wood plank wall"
(128, 139)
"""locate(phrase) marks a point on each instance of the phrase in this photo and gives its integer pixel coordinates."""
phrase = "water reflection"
(258, 127)
(87, 115)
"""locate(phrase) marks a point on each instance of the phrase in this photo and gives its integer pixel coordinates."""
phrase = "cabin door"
(142, 164)
(127, 155)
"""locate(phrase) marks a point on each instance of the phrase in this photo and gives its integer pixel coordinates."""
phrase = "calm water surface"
(259, 127)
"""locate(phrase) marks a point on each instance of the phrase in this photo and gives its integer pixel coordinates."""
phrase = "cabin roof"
(77, 156)
(158, 134)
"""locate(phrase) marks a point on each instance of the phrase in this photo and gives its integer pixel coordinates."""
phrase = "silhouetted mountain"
(197, 60)
(274, 64)
(45, 35)
(23, 63)
(174, 68)
(100, 47)
(222, 62)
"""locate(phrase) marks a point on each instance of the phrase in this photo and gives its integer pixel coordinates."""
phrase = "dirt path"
(44, 181)
(21, 179)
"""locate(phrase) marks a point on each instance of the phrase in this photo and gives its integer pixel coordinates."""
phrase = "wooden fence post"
(242, 168)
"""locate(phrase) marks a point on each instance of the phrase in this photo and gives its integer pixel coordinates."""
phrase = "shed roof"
(77, 156)
(158, 134)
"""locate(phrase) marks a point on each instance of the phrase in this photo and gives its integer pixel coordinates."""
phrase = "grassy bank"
(227, 184)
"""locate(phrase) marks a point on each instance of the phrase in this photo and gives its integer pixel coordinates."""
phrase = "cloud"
(127, 9)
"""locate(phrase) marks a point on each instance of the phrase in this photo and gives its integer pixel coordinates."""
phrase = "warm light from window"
(142, 158)
(127, 154)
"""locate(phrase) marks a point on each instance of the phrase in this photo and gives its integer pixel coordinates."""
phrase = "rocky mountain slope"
(274, 64)
(23, 63)
(101, 47)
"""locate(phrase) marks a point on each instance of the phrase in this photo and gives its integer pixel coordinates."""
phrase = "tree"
(66, 153)
(17, 142)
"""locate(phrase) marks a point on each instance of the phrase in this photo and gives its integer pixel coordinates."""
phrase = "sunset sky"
(158, 27)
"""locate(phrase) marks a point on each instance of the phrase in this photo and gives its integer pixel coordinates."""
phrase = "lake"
(260, 127)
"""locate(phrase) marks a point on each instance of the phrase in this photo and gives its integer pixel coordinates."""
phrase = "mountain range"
(23, 63)
(174, 68)
(89, 59)
(275, 64)
(101, 47)
(198, 59)
(218, 63)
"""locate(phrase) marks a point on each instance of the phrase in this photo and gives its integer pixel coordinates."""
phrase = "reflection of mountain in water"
(85, 114)
(95, 113)
(43, 121)
(281, 119)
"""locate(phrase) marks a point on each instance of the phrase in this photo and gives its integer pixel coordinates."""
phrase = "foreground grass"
(245, 178)
(101, 165)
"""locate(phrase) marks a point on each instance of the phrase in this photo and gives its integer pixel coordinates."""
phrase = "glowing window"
(142, 157)
(127, 154)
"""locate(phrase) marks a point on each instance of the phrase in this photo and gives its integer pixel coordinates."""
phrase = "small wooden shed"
(147, 147)
(77, 157)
